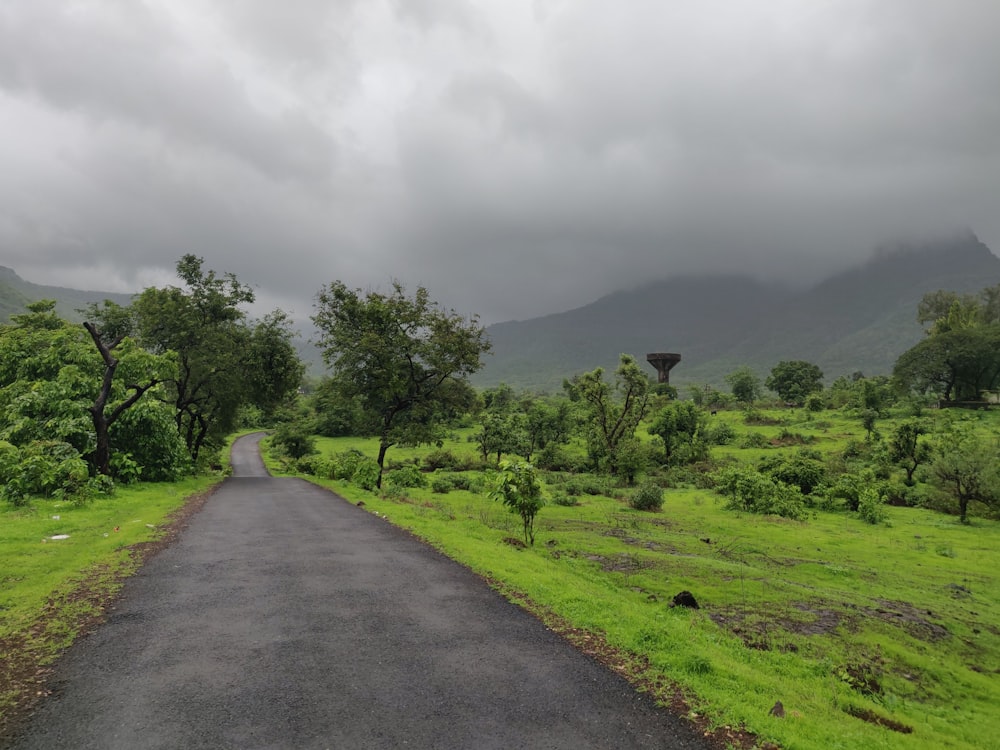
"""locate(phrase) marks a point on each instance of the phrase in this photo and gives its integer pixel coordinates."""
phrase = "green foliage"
(405, 359)
(907, 449)
(648, 496)
(614, 411)
(745, 385)
(406, 476)
(441, 484)
(45, 469)
(955, 365)
(682, 426)
(750, 490)
(367, 475)
(148, 434)
(223, 362)
(721, 433)
(871, 506)
(293, 439)
(516, 485)
(806, 473)
(794, 380)
(966, 467)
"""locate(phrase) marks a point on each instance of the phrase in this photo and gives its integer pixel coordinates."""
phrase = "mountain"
(862, 319)
(16, 293)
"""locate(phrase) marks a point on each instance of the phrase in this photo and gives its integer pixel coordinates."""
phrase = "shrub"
(754, 440)
(45, 469)
(365, 474)
(293, 439)
(441, 459)
(750, 490)
(800, 471)
(441, 485)
(567, 501)
(407, 476)
(871, 506)
(721, 434)
(814, 402)
(649, 496)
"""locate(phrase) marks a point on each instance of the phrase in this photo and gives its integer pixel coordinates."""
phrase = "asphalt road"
(286, 617)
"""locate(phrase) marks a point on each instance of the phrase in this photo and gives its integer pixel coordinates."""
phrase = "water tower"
(664, 363)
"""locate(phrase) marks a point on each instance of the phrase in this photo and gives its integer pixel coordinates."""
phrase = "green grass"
(49, 587)
(833, 617)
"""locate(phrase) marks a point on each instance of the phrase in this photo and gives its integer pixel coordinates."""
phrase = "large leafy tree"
(793, 380)
(966, 468)
(958, 364)
(70, 384)
(404, 358)
(223, 361)
(960, 358)
(745, 385)
(615, 410)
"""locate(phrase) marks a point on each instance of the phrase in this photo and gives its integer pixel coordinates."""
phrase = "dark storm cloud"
(516, 158)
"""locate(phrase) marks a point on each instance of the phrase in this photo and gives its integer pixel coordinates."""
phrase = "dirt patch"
(873, 718)
(913, 620)
(27, 657)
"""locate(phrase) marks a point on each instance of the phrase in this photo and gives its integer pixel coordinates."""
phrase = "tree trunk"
(383, 446)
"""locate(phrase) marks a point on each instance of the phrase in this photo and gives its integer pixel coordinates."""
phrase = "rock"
(685, 599)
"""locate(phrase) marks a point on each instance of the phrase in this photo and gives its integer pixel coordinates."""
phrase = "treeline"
(643, 434)
(147, 391)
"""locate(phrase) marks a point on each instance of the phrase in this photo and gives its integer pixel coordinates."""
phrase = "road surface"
(286, 617)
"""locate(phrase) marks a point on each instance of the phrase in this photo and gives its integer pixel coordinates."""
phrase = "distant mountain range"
(16, 293)
(859, 320)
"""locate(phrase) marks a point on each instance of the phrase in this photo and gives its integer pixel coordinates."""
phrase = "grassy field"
(60, 563)
(879, 636)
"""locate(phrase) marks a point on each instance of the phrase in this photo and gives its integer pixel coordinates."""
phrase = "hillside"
(862, 319)
(15, 293)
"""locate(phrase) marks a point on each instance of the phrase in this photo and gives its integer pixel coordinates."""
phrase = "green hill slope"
(862, 319)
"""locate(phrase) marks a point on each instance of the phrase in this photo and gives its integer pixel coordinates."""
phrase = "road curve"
(286, 617)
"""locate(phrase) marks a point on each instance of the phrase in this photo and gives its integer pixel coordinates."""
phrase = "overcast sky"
(516, 158)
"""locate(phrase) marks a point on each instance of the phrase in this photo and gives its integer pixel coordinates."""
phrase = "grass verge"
(62, 564)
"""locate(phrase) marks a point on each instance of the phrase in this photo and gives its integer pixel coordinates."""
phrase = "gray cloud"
(517, 159)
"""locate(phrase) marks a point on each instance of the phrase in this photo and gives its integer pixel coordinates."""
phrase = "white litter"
(60, 536)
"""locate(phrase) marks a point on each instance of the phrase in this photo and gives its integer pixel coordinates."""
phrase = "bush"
(721, 434)
(754, 440)
(294, 440)
(750, 490)
(441, 459)
(45, 469)
(441, 485)
(649, 496)
(407, 476)
(871, 506)
(366, 474)
(567, 501)
(800, 471)
(148, 434)
(815, 402)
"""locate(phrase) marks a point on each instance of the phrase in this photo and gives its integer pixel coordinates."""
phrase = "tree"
(681, 425)
(906, 448)
(405, 358)
(517, 487)
(794, 380)
(223, 362)
(615, 411)
(954, 365)
(110, 328)
(745, 385)
(966, 467)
